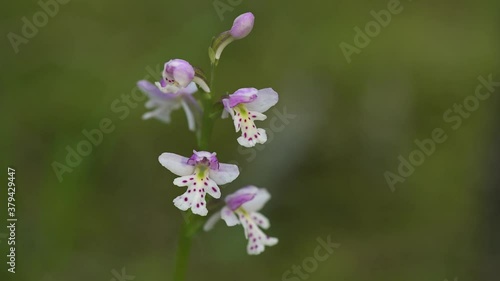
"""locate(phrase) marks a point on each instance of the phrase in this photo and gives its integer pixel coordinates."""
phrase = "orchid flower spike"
(201, 173)
(242, 207)
(173, 91)
(242, 26)
(245, 106)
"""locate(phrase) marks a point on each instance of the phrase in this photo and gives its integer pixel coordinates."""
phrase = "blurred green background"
(325, 166)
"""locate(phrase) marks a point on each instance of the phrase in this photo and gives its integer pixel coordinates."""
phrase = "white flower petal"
(270, 241)
(212, 189)
(225, 174)
(229, 217)
(258, 202)
(260, 220)
(257, 240)
(189, 90)
(181, 203)
(266, 98)
(189, 116)
(250, 134)
(155, 113)
(176, 164)
(163, 111)
(209, 225)
(150, 104)
(248, 140)
(199, 209)
(257, 116)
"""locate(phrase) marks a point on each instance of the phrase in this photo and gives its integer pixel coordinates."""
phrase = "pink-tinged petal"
(242, 25)
(153, 92)
(192, 102)
(180, 71)
(226, 173)
(241, 196)
(209, 225)
(261, 198)
(266, 98)
(204, 157)
(229, 217)
(227, 109)
(243, 95)
(176, 164)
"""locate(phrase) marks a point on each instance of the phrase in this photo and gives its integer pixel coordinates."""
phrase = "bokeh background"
(324, 167)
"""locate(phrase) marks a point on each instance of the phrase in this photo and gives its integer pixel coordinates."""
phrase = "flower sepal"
(201, 79)
(218, 44)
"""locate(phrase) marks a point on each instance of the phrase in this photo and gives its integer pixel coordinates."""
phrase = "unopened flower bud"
(242, 25)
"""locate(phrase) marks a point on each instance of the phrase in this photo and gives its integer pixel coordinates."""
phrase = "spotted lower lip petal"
(201, 174)
(252, 221)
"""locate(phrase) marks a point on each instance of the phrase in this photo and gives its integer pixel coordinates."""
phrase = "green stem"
(193, 224)
(207, 124)
(182, 257)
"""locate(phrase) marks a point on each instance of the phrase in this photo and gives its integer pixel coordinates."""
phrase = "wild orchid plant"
(202, 173)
